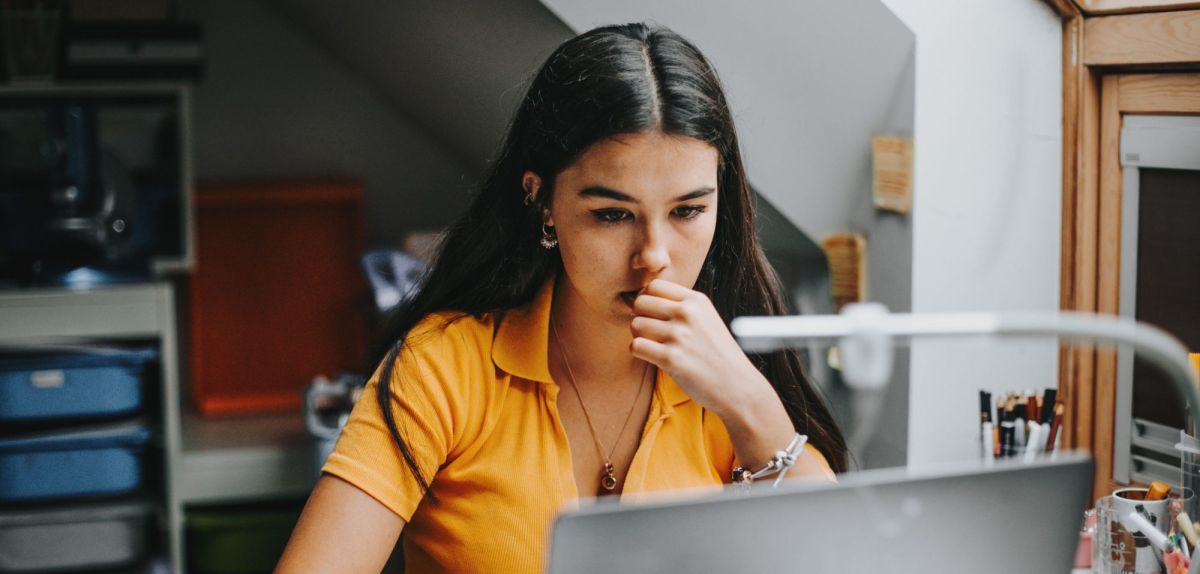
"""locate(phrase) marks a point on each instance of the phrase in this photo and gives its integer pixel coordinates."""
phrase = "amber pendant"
(608, 480)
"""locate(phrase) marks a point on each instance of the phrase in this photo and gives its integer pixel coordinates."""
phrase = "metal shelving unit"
(205, 460)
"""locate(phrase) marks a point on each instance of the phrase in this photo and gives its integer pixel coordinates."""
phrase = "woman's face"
(631, 209)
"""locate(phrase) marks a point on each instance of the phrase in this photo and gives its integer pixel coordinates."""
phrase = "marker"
(1048, 400)
(985, 407)
(1137, 522)
(1185, 526)
(1035, 437)
(1055, 425)
(1000, 414)
(1019, 427)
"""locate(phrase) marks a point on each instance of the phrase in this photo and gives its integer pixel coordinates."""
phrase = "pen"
(985, 406)
(1019, 428)
(985, 410)
(1010, 422)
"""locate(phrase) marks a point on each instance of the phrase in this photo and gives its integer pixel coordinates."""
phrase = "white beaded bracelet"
(781, 462)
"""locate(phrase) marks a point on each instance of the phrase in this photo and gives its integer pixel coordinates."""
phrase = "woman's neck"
(596, 346)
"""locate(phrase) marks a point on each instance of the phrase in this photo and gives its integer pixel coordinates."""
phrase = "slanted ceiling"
(455, 69)
(810, 82)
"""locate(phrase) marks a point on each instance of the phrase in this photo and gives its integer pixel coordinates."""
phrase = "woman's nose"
(652, 255)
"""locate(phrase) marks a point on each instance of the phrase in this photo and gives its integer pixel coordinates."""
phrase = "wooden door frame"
(1108, 7)
(1107, 62)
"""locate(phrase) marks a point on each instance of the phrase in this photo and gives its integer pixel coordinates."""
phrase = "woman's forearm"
(759, 426)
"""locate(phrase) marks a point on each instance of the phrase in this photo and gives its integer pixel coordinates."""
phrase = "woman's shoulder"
(448, 353)
(453, 332)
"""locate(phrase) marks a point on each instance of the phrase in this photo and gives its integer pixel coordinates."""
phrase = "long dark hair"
(608, 81)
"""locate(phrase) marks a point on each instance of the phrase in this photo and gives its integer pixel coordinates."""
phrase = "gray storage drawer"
(73, 538)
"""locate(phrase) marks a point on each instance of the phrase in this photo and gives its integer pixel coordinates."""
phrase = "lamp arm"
(765, 334)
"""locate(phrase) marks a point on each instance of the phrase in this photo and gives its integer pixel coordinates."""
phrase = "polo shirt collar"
(523, 338)
(522, 344)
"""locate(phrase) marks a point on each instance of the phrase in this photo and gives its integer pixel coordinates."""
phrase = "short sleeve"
(431, 411)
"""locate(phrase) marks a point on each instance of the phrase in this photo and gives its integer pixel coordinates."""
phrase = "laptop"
(1003, 518)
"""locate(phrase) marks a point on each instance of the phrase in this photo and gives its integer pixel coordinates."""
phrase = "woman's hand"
(680, 331)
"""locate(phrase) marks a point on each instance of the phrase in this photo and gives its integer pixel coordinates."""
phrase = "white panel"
(987, 209)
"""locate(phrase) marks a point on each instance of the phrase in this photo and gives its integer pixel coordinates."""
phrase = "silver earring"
(549, 240)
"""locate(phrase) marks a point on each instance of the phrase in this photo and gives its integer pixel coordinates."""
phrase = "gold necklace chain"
(608, 478)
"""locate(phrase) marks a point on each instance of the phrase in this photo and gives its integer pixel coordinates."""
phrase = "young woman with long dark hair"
(571, 339)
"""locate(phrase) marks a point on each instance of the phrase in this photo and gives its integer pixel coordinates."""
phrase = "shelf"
(55, 316)
(27, 315)
(244, 457)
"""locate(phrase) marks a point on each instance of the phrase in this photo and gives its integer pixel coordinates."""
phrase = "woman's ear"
(532, 184)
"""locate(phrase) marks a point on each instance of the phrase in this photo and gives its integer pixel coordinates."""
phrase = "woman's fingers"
(653, 352)
(668, 290)
(650, 328)
(655, 307)
(669, 301)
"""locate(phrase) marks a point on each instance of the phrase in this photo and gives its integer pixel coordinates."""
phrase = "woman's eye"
(688, 211)
(611, 215)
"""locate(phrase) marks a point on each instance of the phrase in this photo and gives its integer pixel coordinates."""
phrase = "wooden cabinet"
(1122, 59)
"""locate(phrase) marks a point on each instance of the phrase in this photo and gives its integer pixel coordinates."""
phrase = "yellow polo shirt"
(476, 404)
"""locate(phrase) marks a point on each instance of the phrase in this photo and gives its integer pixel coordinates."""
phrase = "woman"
(571, 338)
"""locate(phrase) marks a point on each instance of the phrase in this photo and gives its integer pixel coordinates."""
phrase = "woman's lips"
(629, 296)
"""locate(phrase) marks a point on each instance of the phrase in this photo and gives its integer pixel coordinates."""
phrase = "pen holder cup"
(1115, 548)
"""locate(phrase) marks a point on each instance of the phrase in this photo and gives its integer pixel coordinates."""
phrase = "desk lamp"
(865, 333)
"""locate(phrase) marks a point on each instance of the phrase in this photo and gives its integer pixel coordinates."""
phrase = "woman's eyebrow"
(695, 194)
(604, 192)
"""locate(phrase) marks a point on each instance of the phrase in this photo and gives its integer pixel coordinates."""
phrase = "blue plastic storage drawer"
(103, 460)
(54, 386)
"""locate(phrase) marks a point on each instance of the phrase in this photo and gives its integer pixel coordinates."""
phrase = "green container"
(238, 540)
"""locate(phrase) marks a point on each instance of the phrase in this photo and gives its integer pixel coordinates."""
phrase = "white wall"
(987, 211)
